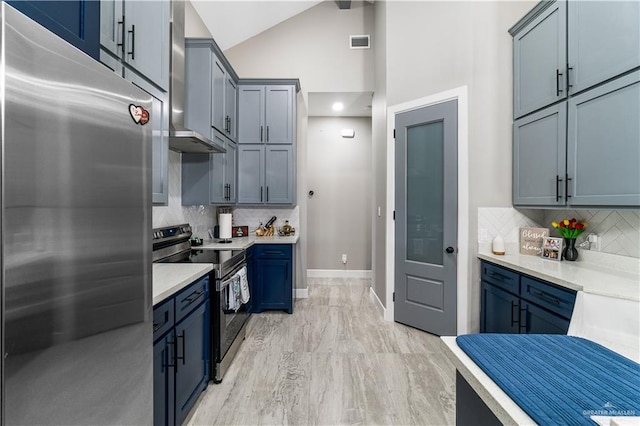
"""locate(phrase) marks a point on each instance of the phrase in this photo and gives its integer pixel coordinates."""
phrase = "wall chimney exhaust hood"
(180, 138)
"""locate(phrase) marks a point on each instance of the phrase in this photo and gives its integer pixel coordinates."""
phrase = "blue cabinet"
(273, 278)
(518, 304)
(76, 21)
(181, 352)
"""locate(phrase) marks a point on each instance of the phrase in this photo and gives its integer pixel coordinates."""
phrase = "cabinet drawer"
(273, 251)
(501, 277)
(555, 299)
(163, 319)
(191, 297)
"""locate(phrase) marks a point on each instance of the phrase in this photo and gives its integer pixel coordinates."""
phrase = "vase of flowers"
(569, 229)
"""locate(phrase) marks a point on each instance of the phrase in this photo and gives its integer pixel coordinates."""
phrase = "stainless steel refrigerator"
(75, 212)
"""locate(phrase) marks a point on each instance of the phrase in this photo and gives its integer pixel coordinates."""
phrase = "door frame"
(461, 95)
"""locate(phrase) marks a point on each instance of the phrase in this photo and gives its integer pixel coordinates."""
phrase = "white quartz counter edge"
(243, 243)
(500, 404)
(169, 278)
(579, 276)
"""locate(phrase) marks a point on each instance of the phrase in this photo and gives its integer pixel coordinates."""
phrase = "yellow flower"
(566, 222)
(554, 224)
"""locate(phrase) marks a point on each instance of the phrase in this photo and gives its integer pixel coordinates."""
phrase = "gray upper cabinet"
(604, 41)
(231, 108)
(279, 168)
(539, 157)
(267, 114)
(603, 147)
(251, 114)
(198, 88)
(219, 76)
(539, 60)
(159, 121)
(137, 33)
(251, 177)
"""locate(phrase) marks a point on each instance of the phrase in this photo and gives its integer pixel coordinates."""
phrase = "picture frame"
(552, 249)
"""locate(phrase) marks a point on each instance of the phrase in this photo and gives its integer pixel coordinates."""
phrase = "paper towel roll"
(224, 220)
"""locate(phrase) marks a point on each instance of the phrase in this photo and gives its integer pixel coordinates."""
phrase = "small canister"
(498, 245)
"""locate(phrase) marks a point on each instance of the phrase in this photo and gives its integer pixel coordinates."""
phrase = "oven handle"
(220, 284)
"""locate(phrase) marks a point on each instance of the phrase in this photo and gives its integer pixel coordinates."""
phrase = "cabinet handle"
(569, 85)
(184, 338)
(546, 297)
(226, 192)
(121, 44)
(260, 194)
(267, 133)
(558, 180)
(267, 191)
(261, 128)
(566, 185)
(513, 320)
(558, 89)
(156, 326)
(132, 31)
(523, 320)
(497, 276)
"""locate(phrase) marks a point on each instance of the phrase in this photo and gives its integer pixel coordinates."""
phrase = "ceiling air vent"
(359, 42)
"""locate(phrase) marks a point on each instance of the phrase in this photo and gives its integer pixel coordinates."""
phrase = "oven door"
(230, 320)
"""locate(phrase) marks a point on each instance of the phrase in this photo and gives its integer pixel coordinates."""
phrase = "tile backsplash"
(203, 217)
(618, 230)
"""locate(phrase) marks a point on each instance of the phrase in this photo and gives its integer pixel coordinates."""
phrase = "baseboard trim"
(375, 300)
(302, 293)
(339, 273)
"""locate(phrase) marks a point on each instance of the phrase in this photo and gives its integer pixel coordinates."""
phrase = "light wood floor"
(334, 361)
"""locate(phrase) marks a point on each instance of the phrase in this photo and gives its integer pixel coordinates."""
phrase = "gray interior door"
(426, 218)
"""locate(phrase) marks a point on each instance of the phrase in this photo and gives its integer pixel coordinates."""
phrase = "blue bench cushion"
(558, 379)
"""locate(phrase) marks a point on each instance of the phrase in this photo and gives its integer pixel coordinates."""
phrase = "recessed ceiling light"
(338, 106)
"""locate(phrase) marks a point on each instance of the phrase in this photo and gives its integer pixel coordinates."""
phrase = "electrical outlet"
(344, 258)
(484, 234)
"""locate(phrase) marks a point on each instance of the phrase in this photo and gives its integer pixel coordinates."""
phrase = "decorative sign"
(239, 231)
(552, 248)
(531, 240)
(139, 114)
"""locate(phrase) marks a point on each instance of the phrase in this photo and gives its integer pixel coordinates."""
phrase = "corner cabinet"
(266, 142)
(518, 304)
(576, 109)
(272, 278)
(75, 21)
(181, 352)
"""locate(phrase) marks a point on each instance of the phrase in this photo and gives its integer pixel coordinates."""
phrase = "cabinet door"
(75, 21)
(217, 183)
(192, 359)
(539, 61)
(198, 89)
(230, 161)
(274, 284)
(250, 174)
(604, 144)
(231, 106)
(604, 41)
(279, 175)
(251, 114)
(163, 381)
(111, 26)
(219, 76)
(196, 178)
(280, 116)
(499, 310)
(539, 152)
(147, 45)
(535, 320)
(159, 121)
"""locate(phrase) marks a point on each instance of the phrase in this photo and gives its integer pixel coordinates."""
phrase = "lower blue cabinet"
(181, 352)
(273, 277)
(518, 304)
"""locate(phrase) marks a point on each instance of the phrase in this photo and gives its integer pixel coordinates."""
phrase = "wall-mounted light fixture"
(348, 133)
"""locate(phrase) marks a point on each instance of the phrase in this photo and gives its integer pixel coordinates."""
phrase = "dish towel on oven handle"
(244, 285)
(233, 295)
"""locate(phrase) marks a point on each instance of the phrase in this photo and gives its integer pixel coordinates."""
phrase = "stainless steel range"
(172, 245)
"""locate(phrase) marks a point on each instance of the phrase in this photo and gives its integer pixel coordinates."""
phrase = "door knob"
(449, 250)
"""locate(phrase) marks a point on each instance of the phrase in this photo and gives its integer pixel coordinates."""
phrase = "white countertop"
(502, 406)
(240, 243)
(584, 276)
(169, 278)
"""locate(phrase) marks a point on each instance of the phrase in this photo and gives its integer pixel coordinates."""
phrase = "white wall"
(433, 47)
(339, 173)
(314, 47)
(193, 25)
